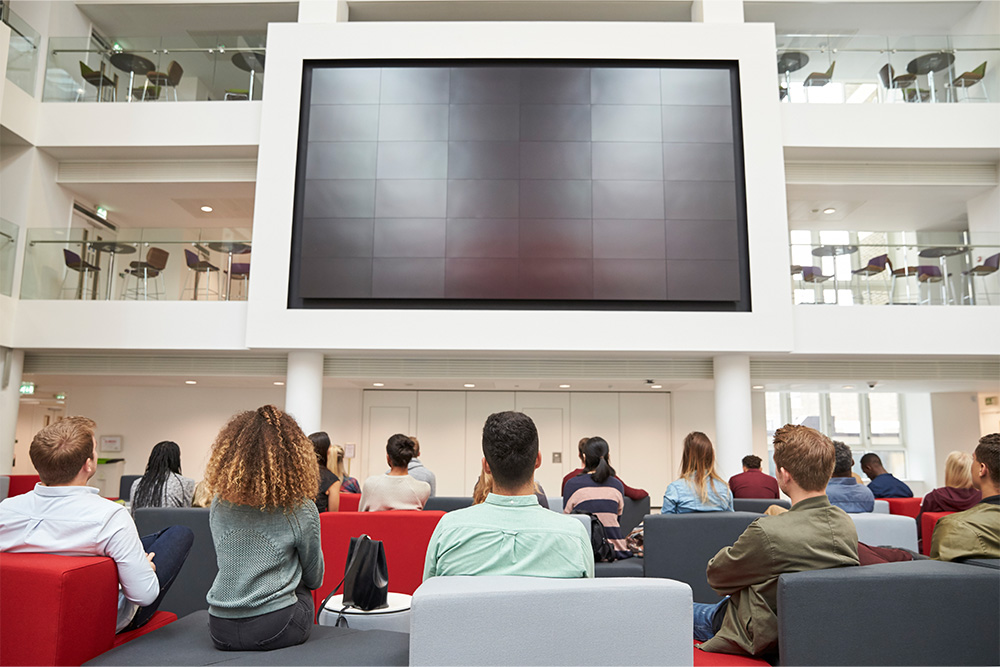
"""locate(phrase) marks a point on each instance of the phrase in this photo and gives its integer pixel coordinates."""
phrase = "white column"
(304, 389)
(733, 413)
(717, 11)
(323, 11)
(11, 365)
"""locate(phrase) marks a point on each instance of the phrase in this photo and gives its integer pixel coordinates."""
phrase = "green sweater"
(263, 557)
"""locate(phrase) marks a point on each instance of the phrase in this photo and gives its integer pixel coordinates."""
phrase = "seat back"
(191, 259)
(4, 486)
(904, 506)
(632, 514)
(879, 262)
(404, 534)
(929, 273)
(67, 610)
(125, 487)
(349, 502)
(447, 503)
(905, 613)
(993, 261)
(886, 530)
(758, 505)
(187, 594)
(527, 622)
(86, 72)
(679, 546)
(72, 260)
(885, 75)
(21, 484)
(881, 507)
(928, 521)
(157, 258)
(174, 72)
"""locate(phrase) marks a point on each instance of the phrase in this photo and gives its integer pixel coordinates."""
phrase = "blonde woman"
(699, 489)
(348, 484)
(265, 527)
(957, 494)
(484, 487)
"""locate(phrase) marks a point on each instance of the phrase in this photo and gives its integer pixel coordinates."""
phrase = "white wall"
(956, 426)
(921, 460)
(30, 420)
(989, 415)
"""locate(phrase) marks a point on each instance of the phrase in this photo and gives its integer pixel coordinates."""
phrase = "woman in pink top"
(396, 489)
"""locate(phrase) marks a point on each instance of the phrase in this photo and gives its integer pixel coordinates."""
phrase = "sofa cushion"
(759, 505)
(21, 484)
(914, 613)
(187, 593)
(928, 521)
(904, 506)
(349, 502)
(633, 514)
(629, 567)
(447, 503)
(886, 530)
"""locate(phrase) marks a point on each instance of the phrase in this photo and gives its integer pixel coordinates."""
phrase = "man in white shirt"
(62, 515)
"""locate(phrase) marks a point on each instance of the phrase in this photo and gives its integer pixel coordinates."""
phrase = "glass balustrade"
(137, 264)
(147, 69)
(8, 252)
(873, 268)
(859, 69)
(22, 54)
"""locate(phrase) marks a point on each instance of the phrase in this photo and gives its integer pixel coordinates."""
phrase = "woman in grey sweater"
(265, 527)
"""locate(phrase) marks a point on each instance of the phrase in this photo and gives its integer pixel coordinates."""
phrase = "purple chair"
(82, 267)
(814, 275)
(987, 268)
(196, 265)
(241, 272)
(875, 266)
(932, 274)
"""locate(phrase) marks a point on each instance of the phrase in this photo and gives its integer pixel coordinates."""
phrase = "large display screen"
(527, 184)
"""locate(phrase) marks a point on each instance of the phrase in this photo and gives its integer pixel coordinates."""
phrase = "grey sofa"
(913, 613)
(125, 486)
(187, 594)
(758, 505)
(447, 503)
(633, 514)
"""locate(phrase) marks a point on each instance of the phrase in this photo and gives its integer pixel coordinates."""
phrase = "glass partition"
(895, 268)
(8, 253)
(137, 264)
(22, 54)
(191, 67)
(858, 69)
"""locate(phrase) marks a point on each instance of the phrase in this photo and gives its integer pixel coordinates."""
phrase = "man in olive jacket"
(813, 535)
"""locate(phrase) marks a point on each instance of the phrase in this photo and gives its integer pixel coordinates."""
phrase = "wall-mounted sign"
(989, 400)
(27, 388)
(111, 443)
(349, 450)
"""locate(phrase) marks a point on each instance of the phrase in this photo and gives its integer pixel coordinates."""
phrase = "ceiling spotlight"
(190, 382)
(279, 384)
(848, 386)
(207, 209)
(564, 386)
(468, 385)
(757, 386)
(378, 384)
(656, 386)
(830, 210)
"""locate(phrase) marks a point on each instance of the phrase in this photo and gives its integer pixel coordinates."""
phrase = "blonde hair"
(483, 487)
(263, 459)
(698, 464)
(958, 470)
(337, 465)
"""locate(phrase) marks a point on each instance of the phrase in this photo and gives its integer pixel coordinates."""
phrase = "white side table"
(395, 617)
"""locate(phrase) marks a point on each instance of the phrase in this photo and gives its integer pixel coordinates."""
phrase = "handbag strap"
(322, 605)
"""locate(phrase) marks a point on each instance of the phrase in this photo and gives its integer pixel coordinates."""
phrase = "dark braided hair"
(163, 460)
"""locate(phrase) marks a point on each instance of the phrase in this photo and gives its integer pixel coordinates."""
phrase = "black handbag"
(366, 578)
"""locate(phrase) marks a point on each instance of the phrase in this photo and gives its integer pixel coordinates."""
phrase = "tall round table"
(112, 248)
(231, 248)
(834, 251)
(249, 61)
(133, 64)
(942, 253)
(791, 61)
(928, 64)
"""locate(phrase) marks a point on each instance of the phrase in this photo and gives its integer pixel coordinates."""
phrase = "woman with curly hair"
(162, 485)
(265, 527)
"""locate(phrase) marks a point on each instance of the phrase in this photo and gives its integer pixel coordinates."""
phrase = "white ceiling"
(170, 205)
(138, 19)
(899, 17)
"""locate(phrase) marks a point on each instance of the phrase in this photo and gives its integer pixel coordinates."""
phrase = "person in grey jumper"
(418, 470)
(265, 526)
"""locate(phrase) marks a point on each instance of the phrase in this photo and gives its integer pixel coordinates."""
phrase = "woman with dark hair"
(597, 491)
(699, 489)
(328, 496)
(162, 485)
(266, 532)
(396, 489)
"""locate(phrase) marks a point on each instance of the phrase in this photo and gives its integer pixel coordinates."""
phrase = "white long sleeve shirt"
(76, 521)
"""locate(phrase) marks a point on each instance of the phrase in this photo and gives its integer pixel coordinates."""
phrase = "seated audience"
(396, 489)
(328, 497)
(509, 533)
(700, 489)
(957, 494)
(484, 487)
(162, 485)
(882, 484)
(597, 491)
(418, 470)
(975, 533)
(202, 495)
(348, 484)
(843, 491)
(752, 482)
(813, 535)
(265, 527)
(62, 515)
(634, 494)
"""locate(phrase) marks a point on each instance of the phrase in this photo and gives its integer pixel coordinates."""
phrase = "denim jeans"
(170, 547)
(276, 629)
(704, 618)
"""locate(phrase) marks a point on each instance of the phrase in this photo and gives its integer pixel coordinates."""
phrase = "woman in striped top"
(597, 491)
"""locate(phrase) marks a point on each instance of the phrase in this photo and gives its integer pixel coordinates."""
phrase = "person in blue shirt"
(843, 490)
(700, 489)
(882, 484)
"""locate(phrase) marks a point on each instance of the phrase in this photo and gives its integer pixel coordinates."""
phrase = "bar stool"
(902, 272)
(987, 268)
(875, 266)
(82, 267)
(196, 266)
(932, 274)
(156, 262)
(814, 275)
(240, 273)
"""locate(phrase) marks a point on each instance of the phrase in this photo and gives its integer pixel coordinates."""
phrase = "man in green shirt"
(975, 533)
(510, 533)
(813, 535)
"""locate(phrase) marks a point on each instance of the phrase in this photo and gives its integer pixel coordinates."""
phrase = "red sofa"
(61, 610)
(405, 534)
(349, 502)
(905, 506)
(928, 520)
(22, 484)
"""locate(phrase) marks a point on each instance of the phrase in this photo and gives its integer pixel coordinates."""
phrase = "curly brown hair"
(263, 459)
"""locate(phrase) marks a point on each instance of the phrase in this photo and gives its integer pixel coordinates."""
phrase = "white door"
(385, 414)
(550, 412)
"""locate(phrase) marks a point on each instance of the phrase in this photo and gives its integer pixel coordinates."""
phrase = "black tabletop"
(834, 250)
(792, 61)
(942, 251)
(249, 61)
(234, 247)
(131, 62)
(113, 246)
(930, 62)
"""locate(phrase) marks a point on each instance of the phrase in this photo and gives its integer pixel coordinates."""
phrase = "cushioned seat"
(629, 567)
(447, 503)
(904, 506)
(187, 642)
(187, 594)
(886, 530)
(21, 484)
(537, 621)
(928, 521)
(881, 507)
(912, 613)
(349, 502)
(633, 514)
(758, 505)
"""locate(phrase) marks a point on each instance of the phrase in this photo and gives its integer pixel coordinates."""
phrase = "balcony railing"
(858, 69)
(8, 251)
(22, 54)
(895, 274)
(80, 69)
(137, 264)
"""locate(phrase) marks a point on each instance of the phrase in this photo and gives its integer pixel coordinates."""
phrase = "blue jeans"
(704, 618)
(170, 546)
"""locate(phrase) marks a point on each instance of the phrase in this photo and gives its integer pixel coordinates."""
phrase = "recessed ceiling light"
(830, 210)
(207, 209)
(564, 386)
(190, 382)
(378, 384)
(848, 386)
(656, 386)
(468, 385)
(279, 384)
(758, 386)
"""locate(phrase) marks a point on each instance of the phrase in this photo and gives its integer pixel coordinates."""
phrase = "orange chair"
(905, 506)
